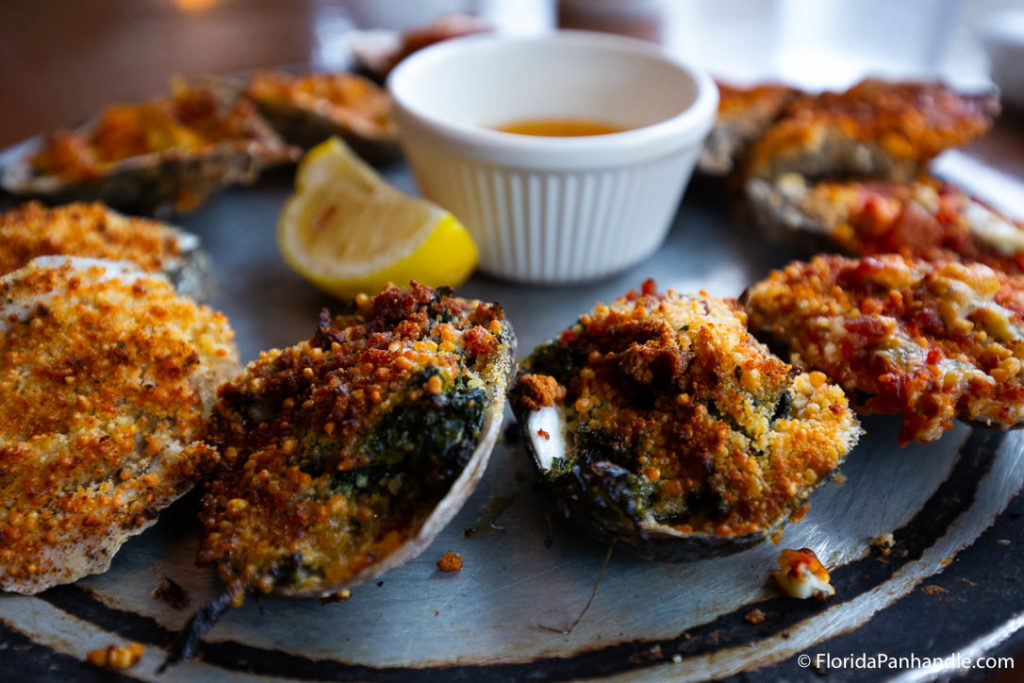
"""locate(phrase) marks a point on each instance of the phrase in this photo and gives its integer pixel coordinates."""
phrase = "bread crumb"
(934, 590)
(884, 543)
(116, 656)
(451, 562)
(340, 596)
(754, 616)
(170, 592)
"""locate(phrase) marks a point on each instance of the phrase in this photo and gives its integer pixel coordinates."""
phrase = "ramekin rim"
(681, 129)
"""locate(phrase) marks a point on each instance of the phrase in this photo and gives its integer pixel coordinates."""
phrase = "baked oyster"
(169, 152)
(933, 342)
(658, 423)
(345, 455)
(876, 129)
(927, 218)
(744, 114)
(310, 108)
(92, 230)
(106, 376)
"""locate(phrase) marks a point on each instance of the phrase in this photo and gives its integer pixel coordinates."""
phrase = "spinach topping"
(428, 440)
(785, 405)
(558, 360)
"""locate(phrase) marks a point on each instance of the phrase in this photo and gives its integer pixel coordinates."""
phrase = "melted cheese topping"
(925, 219)
(930, 341)
(801, 575)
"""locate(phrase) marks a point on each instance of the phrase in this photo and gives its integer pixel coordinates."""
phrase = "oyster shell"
(345, 455)
(107, 376)
(660, 424)
(310, 108)
(92, 230)
(171, 152)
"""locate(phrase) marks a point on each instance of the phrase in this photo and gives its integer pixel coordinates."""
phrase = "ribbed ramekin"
(554, 209)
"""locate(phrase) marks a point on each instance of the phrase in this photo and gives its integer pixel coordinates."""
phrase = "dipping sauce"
(560, 128)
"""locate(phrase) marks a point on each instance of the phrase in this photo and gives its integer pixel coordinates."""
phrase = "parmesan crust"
(106, 376)
(81, 229)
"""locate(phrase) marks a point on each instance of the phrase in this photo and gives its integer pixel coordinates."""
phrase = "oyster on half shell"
(345, 455)
(94, 231)
(309, 108)
(171, 152)
(660, 424)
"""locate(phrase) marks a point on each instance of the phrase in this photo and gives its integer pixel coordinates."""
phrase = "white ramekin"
(549, 209)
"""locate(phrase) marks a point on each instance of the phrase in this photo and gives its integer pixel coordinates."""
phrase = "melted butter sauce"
(560, 128)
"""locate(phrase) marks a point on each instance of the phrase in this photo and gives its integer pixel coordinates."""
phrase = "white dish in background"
(554, 209)
(1003, 37)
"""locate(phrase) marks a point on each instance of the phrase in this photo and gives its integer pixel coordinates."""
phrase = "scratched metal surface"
(484, 623)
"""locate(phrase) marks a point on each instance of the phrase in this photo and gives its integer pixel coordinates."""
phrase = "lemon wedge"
(348, 231)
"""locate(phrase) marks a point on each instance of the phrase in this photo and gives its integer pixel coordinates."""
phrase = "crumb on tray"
(116, 656)
(802, 575)
(451, 562)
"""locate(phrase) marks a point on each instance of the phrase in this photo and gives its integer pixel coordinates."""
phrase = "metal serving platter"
(950, 585)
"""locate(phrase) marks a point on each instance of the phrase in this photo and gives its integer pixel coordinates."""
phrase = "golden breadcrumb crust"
(929, 341)
(79, 229)
(744, 114)
(902, 125)
(296, 504)
(194, 119)
(699, 409)
(350, 100)
(762, 101)
(105, 381)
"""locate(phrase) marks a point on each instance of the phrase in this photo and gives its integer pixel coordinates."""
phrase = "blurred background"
(61, 60)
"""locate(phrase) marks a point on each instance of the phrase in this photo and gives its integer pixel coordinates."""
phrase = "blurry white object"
(1003, 36)
(402, 14)
(554, 209)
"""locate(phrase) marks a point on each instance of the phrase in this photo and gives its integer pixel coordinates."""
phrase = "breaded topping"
(929, 341)
(348, 99)
(335, 451)
(876, 128)
(744, 114)
(670, 394)
(928, 219)
(78, 229)
(193, 120)
(106, 375)
(450, 562)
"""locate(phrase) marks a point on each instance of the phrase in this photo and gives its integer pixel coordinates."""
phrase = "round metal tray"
(950, 586)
